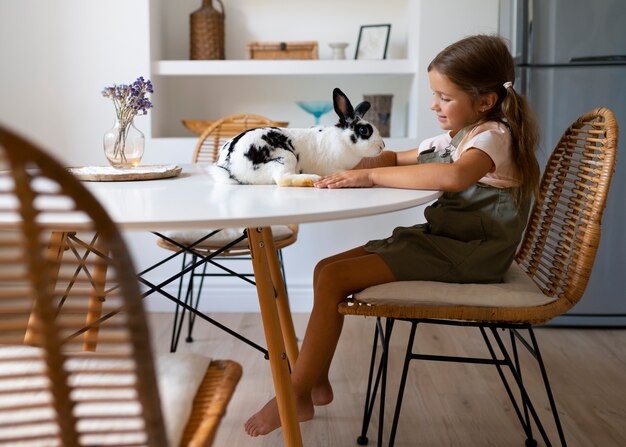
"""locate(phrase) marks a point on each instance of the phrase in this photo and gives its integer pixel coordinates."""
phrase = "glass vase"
(124, 145)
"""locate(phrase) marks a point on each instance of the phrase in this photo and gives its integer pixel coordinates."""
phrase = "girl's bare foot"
(322, 394)
(267, 418)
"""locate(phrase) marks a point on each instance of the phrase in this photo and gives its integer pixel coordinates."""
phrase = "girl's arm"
(407, 157)
(389, 158)
(450, 177)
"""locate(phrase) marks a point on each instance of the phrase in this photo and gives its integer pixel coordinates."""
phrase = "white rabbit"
(296, 157)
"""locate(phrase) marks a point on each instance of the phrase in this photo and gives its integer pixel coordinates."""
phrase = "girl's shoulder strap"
(458, 137)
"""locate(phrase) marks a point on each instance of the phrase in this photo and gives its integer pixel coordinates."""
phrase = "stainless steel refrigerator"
(571, 56)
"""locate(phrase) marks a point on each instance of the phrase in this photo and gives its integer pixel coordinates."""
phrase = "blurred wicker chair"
(552, 268)
(231, 244)
(76, 366)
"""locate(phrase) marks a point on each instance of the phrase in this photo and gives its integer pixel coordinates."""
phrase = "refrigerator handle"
(613, 58)
(526, 24)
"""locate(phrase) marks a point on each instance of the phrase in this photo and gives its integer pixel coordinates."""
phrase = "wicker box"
(282, 50)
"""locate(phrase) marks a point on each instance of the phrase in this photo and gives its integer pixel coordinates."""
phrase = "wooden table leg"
(261, 246)
(56, 247)
(96, 297)
(282, 302)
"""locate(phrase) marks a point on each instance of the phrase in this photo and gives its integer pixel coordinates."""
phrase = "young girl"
(485, 165)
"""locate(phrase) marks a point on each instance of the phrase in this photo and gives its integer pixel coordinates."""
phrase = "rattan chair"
(225, 245)
(76, 366)
(549, 275)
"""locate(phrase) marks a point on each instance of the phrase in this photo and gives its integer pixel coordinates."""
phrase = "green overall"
(469, 236)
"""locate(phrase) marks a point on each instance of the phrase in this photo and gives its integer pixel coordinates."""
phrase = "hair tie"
(507, 85)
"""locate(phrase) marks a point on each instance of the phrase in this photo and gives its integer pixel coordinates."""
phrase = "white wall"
(58, 54)
(441, 23)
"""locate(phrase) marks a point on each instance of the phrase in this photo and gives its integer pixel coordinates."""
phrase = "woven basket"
(207, 32)
(282, 50)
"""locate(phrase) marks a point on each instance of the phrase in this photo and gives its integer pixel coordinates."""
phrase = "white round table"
(193, 201)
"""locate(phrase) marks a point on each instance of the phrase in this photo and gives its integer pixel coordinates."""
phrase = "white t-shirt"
(494, 139)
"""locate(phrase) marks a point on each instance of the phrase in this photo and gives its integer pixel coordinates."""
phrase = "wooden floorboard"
(444, 404)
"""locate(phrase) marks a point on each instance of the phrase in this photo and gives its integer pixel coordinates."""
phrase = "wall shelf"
(283, 67)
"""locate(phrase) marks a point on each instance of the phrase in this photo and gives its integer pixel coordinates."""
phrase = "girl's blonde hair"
(482, 64)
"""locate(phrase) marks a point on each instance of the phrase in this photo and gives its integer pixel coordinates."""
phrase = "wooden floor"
(445, 404)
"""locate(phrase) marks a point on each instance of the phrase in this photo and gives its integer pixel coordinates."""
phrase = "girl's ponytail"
(517, 115)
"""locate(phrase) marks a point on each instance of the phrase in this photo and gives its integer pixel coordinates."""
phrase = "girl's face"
(455, 108)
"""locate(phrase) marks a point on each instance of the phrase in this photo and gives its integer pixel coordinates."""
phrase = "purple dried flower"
(130, 100)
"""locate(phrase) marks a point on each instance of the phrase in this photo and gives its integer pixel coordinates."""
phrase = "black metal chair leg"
(546, 383)
(179, 314)
(522, 390)
(192, 316)
(405, 371)
(369, 396)
(524, 421)
(530, 440)
(186, 311)
(383, 383)
(176, 328)
(175, 331)
(374, 383)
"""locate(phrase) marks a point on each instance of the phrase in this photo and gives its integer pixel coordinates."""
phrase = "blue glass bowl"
(316, 108)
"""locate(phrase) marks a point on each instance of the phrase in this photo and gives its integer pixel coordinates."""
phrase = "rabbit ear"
(343, 107)
(362, 109)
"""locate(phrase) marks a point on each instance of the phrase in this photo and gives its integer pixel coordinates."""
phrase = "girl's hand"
(359, 178)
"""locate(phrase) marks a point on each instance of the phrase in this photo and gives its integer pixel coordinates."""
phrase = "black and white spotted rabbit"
(296, 157)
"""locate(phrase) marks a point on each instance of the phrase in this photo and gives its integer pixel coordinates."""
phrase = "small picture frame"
(373, 41)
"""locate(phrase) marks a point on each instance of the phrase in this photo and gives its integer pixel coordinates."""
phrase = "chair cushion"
(224, 236)
(517, 290)
(178, 376)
